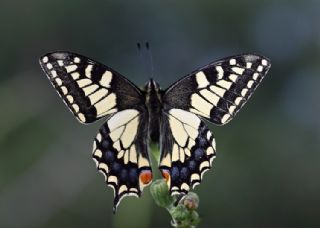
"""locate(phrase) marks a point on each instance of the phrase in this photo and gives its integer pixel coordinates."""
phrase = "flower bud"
(160, 193)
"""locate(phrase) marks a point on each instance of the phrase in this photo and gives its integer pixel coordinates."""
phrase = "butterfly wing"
(187, 149)
(90, 89)
(219, 90)
(121, 153)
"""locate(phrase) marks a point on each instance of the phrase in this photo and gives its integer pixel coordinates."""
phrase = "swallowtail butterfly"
(173, 118)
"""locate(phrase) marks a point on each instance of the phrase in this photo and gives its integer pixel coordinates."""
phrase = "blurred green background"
(268, 165)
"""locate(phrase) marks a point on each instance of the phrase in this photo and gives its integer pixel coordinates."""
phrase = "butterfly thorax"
(154, 105)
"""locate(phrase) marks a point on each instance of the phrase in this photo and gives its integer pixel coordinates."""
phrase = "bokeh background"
(268, 165)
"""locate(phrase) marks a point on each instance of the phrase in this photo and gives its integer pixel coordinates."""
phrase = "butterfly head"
(151, 86)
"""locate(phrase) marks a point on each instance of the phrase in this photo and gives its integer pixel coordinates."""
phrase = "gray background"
(267, 170)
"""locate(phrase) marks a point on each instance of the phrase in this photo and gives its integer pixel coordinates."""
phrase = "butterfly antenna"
(142, 60)
(151, 58)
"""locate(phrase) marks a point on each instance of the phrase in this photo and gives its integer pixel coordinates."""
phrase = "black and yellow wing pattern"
(92, 91)
(219, 90)
(215, 92)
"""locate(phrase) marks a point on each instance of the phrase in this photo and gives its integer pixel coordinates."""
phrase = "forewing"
(187, 150)
(218, 90)
(121, 153)
(90, 89)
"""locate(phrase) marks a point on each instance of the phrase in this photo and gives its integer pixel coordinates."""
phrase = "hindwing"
(187, 149)
(121, 153)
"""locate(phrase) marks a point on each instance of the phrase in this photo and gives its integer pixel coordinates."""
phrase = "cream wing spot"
(120, 154)
(71, 68)
(84, 82)
(238, 100)
(255, 76)
(244, 92)
(220, 71)
(58, 81)
(130, 132)
(231, 109)
(248, 65)
(214, 144)
(81, 117)
(264, 62)
(70, 99)
(103, 166)
(88, 70)
(233, 62)
(60, 62)
(122, 189)
(181, 154)
(49, 66)
(113, 179)
(191, 143)
(75, 75)
(175, 152)
(133, 154)
(178, 132)
(204, 165)
(76, 60)
(98, 153)
(193, 133)
(98, 95)
(233, 77)
(210, 151)
(211, 97)
(106, 79)
(185, 187)
(54, 73)
(166, 161)
(225, 84)
(238, 70)
(143, 162)
(200, 104)
(187, 151)
(116, 145)
(99, 137)
(195, 177)
(45, 59)
(90, 89)
(185, 117)
(106, 104)
(202, 80)
(64, 90)
(209, 135)
(75, 107)
(217, 90)
(121, 118)
(126, 157)
(225, 118)
(115, 134)
(250, 83)
(260, 68)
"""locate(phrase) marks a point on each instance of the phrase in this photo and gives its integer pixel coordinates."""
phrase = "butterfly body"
(172, 118)
(153, 98)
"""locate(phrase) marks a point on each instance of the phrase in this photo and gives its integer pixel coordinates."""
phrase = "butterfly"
(172, 118)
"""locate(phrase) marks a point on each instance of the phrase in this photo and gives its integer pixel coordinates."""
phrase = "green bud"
(180, 213)
(190, 201)
(160, 193)
(194, 218)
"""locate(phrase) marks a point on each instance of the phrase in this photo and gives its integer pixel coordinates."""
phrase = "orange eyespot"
(166, 174)
(146, 176)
